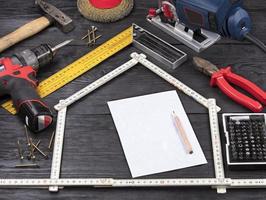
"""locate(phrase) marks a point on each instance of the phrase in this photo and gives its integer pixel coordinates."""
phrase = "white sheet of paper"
(149, 138)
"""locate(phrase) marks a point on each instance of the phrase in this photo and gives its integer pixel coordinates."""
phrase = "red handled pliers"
(222, 77)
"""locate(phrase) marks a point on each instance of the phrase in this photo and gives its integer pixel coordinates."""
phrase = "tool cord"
(256, 41)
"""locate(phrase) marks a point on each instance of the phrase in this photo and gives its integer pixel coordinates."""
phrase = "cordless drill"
(225, 17)
(17, 79)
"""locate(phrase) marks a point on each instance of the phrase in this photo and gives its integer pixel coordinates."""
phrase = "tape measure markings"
(95, 61)
(110, 182)
(248, 183)
(172, 80)
(219, 183)
(169, 182)
(93, 58)
(142, 59)
(96, 84)
(58, 148)
(80, 66)
(51, 182)
(62, 106)
(216, 144)
(136, 58)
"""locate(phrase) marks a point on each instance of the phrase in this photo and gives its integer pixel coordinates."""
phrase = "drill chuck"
(44, 54)
(38, 56)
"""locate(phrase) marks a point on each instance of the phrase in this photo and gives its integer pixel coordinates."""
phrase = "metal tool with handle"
(52, 16)
(222, 77)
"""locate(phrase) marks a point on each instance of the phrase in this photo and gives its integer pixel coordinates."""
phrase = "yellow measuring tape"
(80, 66)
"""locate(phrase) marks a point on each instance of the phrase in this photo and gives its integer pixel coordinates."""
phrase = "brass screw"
(94, 29)
(84, 37)
(91, 36)
(94, 40)
(87, 35)
(20, 151)
(51, 140)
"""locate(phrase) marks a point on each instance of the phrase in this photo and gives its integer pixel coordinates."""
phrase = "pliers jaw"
(205, 66)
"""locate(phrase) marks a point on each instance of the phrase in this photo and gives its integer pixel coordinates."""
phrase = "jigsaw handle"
(24, 32)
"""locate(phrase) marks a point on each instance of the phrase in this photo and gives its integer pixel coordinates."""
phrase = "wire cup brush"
(105, 10)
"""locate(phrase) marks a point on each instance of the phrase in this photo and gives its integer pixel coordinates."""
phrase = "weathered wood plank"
(92, 146)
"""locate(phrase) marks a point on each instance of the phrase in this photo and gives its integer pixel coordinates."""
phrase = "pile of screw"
(91, 36)
(31, 149)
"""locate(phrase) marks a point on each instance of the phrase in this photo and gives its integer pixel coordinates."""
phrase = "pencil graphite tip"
(174, 115)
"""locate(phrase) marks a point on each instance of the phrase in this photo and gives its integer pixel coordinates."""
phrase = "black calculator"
(245, 140)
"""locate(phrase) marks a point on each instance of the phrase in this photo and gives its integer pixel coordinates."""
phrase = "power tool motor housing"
(226, 17)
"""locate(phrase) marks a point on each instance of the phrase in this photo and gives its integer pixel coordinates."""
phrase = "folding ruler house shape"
(55, 182)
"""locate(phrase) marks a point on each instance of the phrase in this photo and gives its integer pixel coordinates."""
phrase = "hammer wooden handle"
(24, 32)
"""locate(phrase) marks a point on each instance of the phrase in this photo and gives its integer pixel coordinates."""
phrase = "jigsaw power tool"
(200, 23)
(17, 79)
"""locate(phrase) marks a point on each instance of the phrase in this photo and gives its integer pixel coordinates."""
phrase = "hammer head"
(64, 22)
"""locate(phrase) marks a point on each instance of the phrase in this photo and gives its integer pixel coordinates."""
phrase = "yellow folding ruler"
(81, 65)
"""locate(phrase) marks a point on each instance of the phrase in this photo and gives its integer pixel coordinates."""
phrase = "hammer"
(52, 16)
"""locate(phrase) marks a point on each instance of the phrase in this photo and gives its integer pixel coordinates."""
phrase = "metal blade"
(59, 46)
(204, 66)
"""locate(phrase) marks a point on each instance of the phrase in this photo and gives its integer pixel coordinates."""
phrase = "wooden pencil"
(182, 133)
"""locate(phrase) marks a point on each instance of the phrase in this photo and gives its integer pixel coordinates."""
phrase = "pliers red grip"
(222, 78)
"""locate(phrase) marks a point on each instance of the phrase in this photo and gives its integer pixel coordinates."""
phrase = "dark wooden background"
(92, 147)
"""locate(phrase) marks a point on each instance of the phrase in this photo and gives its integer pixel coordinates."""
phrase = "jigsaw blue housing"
(228, 18)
